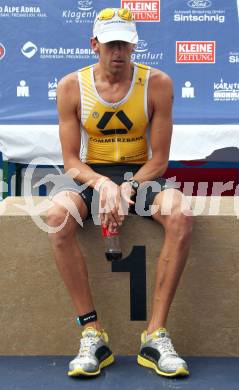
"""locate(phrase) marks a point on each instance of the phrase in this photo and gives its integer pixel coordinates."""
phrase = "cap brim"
(126, 36)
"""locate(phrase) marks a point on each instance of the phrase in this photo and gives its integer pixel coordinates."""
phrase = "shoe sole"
(81, 372)
(181, 371)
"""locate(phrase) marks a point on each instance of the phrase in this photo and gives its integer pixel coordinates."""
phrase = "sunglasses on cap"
(109, 13)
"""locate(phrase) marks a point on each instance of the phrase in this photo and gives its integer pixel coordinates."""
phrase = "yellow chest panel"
(114, 132)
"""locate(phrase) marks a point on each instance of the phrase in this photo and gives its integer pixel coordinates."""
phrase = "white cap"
(115, 29)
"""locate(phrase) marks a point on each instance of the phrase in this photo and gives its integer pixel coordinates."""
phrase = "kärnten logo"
(225, 92)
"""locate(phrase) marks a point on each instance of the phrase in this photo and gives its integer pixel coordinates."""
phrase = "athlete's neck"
(114, 76)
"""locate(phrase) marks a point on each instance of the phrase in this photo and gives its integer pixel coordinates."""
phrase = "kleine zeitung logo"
(2, 51)
(143, 10)
(189, 52)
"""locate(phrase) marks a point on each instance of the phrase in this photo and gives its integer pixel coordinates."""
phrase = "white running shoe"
(157, 352)
(94, 354)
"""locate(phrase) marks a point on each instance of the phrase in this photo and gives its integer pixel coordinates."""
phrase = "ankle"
(152, 329)
(93, 324)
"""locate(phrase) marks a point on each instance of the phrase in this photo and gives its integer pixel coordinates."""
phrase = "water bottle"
(112, 244)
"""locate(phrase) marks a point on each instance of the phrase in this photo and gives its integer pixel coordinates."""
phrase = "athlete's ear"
(94, 44)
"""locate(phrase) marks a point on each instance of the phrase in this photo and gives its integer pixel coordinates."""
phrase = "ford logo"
(199, 3)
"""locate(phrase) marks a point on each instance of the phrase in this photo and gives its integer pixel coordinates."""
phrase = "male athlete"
(104, 112)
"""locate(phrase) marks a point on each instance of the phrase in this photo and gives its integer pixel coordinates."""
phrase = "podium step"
(37, 316)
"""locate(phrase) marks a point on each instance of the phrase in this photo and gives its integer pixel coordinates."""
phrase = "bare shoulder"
(68, 87)
(158, 80)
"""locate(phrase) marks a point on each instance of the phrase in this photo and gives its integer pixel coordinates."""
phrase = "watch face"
(135, 184)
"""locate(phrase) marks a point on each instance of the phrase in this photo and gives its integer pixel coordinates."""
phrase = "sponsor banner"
(22, 11)
(190, 52)
(199, 11)
(40, 43)
(146, 54)
(143, 11)
(83, 12)
(226, 91)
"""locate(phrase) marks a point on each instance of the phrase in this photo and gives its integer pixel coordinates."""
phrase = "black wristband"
(89, 317)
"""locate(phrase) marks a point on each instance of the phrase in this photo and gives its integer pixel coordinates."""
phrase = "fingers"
(109, 203)
(114, 203)
(126, 194)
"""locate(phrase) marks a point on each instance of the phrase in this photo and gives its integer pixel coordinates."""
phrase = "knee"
(58, 220)
(180, 226)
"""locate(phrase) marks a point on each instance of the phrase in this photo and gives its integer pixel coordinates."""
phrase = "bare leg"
(67, 253)
(171, 262)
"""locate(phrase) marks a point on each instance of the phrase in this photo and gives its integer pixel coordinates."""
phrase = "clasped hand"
(114, 202)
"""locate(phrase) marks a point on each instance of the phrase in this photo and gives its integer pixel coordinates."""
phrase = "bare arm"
(161, 99)
(68, 105)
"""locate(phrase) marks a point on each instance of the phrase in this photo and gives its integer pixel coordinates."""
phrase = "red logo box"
(143, 11)
(190, 52)
(2, 51)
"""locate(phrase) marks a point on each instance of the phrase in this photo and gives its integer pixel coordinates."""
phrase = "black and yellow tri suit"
(114, 132)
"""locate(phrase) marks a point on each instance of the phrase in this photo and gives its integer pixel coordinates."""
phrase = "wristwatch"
(134, 184)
